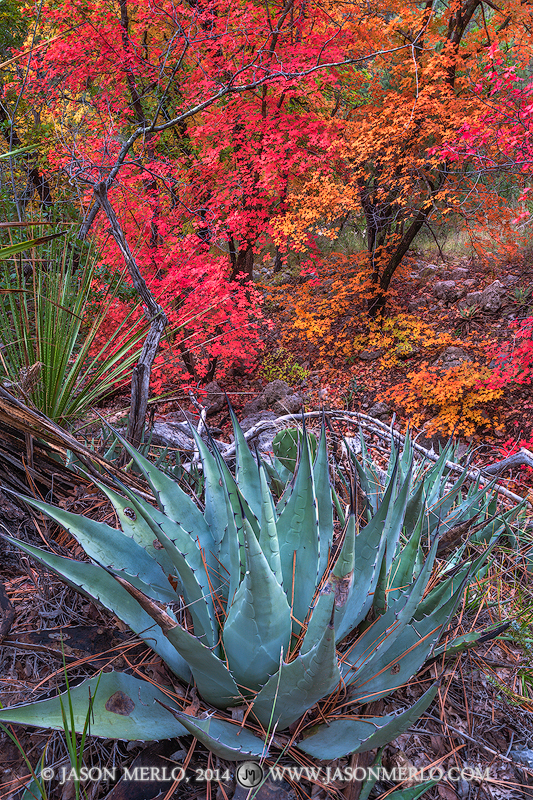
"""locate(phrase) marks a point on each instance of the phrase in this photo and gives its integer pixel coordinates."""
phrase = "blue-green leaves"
(253, 597)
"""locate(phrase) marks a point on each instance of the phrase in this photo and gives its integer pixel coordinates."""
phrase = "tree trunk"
(242, 263)
(140, 383)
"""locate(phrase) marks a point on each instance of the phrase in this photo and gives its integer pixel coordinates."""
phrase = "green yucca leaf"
(13, 249)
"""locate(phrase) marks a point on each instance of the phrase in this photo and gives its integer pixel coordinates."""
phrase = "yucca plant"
(253, 599)
(47, 332)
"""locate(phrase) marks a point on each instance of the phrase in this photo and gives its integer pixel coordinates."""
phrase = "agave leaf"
(112, 549)
(225, 739)
(299, 542)
(370, 781)
(394, 521)
(257, 630)
(194, 581)
(447, 512)
(273, 476)
(215, 513)
(380, 637)
(247, 476)
(231, 552)
(495, 527)
(380, 592)
(338, 508)
(337, 589)
(94, 582)
(445, 589)
(398, 663)
(214, 680)
(458, 645)
(340, 737)
(268, 532)
(323, 497)
(299, 685)
(119, 706)
(320, 618)
(172, 500)
(285, 476)
(135, 526)
(369, 549)
(414, 509)
(367, 486)
(404, 567)
(345, 562)
(238, 501)
(413, 792)
(430, 480)
(406, 457)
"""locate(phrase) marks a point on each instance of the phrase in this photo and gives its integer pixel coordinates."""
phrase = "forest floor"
(482, 721)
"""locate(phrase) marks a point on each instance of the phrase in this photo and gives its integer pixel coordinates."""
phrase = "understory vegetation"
(311, 220)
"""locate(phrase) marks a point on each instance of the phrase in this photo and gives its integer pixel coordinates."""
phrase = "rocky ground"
(483, 719)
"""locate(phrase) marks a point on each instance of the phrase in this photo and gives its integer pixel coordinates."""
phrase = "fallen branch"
(386, 432)
(522, 458)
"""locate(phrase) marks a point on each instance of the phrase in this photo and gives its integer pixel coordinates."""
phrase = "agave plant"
(253, 599)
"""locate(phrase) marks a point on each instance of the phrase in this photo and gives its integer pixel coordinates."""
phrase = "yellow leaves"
(458, 398)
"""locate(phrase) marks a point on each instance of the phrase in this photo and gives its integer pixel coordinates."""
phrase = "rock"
(470, 283)
(380, 411)
(263, 440)
(459, 274)
(290, 404)
(471, 299)
(274, 391)
(429, 271)
(271, 394)
(417, 304)
(370, 355)
(181, 418)
(432, 442)
(523, 755)
(172, 434)
(214, 400)
(447, 291)
(452, 357)
(492, 297)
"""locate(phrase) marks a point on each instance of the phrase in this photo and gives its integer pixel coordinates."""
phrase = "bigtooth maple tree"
(392, 116)
(185, 120)
(500, 142)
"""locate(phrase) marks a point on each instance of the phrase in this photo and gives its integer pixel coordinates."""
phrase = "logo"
(249, 774)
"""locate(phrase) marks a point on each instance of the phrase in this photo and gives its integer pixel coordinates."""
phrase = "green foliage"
(13, 26)
(47, 332)
(270, 606)
(286, 444)
(281, 365)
